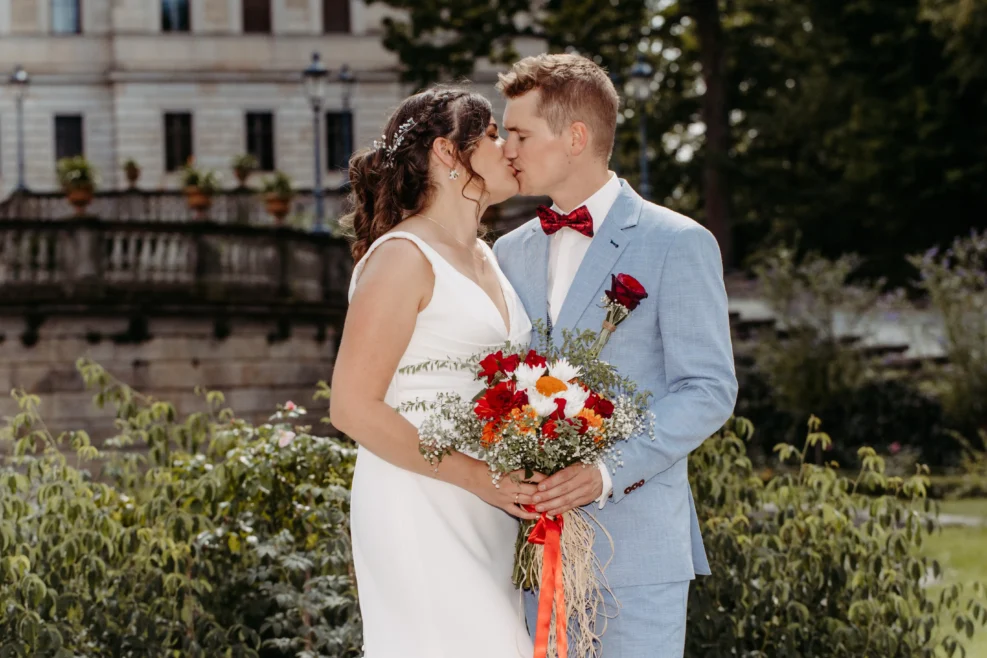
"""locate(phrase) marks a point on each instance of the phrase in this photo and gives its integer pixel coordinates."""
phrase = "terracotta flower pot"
(242, 174)
(198, 200)
(277, 206)
(80, 197)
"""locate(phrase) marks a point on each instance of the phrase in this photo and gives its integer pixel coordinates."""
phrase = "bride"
(433, 548)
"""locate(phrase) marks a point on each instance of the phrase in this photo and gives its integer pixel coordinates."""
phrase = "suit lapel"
(603, 253)
(535, 253)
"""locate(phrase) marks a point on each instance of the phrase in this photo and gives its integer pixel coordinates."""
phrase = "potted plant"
(200, 185)
(278, 192)
(243, 166)
(77, 177)
(132, 171)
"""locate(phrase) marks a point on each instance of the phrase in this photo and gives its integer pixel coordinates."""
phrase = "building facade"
(159, 81)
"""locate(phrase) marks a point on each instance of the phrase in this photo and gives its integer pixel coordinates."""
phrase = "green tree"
(856, 131)
(859, 126)
(444, 38)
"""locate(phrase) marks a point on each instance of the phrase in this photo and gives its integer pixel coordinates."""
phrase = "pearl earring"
(454, 174)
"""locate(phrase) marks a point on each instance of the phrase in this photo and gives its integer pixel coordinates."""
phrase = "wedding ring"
(516, 494)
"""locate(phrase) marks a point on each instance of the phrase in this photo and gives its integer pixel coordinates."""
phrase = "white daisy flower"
(575, 400)
(527, 376)
(563, 370)
(542, 405)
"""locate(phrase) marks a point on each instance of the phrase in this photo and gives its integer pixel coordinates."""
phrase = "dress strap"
(433, 256)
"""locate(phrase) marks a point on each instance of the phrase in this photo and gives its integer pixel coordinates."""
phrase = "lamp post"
(314, 77)
(19, 79)
(348, 80)
(639, 87)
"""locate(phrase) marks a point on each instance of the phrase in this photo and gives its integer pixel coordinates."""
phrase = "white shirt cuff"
(607, 484)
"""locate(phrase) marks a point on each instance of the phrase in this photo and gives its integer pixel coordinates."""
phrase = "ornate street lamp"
(314, 77)
(19, 80)
(639, 88)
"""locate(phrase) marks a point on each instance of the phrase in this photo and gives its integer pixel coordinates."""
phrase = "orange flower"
(549, 386)
(491, 433)
(594, 420)
(526, 420)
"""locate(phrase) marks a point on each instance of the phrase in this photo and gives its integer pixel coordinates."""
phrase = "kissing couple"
(433, 547)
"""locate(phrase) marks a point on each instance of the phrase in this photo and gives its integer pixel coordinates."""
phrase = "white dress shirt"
(566, 250)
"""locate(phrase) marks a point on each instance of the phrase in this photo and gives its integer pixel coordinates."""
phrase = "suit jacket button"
(627, 490)
(640, 483)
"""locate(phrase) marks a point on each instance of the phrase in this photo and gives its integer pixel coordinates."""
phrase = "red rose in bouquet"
(497, 364)
(535, 359)
(498, 401)
(604, 408)
(601, 406)
(626, 291)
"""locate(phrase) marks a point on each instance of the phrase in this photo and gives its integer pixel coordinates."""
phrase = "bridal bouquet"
(541, 411)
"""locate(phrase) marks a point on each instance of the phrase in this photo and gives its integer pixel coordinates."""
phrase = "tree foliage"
(860, 126)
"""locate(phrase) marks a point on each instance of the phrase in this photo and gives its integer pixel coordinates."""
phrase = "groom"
(561, 117)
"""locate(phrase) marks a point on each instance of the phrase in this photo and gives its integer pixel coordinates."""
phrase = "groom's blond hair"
(572, 88)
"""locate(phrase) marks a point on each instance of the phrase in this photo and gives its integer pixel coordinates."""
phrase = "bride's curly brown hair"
(387, 187)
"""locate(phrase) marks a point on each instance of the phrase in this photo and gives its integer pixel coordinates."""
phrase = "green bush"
(880, 412)
(956, 283)
(809, 363)
(805, 565)
(216, 538)
(814, 364)
(205, 535)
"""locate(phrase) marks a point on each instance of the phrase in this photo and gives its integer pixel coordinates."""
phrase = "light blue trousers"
(650, 621)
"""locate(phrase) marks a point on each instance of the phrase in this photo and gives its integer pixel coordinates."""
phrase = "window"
(335, 16)
(260, 139)
(66, 17)
(339, 139)
(178, 139)
(68, 136)
(257, 16)
(175, 16)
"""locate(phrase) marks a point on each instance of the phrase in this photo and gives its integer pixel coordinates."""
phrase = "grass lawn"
(962, 552)
(976, 507)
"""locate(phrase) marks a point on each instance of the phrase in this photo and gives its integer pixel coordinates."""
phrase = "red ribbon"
(548, 532)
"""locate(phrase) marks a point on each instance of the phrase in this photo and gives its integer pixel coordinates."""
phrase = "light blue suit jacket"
(676, 345)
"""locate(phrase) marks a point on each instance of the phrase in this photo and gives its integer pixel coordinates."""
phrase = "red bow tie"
(578, 220)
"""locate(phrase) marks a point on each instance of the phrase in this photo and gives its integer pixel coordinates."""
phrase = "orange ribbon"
(548, 532)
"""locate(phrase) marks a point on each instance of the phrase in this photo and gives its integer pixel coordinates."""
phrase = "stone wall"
(255, 366)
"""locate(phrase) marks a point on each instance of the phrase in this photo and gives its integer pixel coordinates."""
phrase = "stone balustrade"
(167, 306)
(187, 265)
(239, 206)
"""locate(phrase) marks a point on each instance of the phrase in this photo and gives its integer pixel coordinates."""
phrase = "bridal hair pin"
(391, 149)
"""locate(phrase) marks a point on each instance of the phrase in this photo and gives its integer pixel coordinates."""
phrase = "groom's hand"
(573, 486)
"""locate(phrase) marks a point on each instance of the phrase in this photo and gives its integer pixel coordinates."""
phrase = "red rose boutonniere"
(626, 291)
(626, 294)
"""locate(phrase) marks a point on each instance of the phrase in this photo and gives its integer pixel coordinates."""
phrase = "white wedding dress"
(433, 561)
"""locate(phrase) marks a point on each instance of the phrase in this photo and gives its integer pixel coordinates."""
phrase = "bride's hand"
(514, 491)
